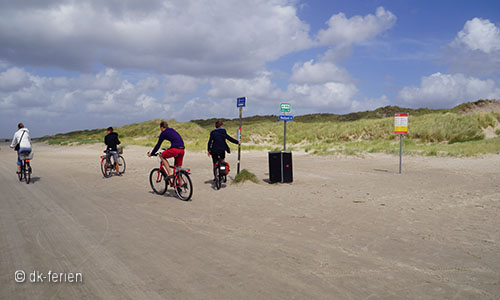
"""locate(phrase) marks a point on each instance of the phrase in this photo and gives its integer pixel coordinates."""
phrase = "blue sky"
(67, 65)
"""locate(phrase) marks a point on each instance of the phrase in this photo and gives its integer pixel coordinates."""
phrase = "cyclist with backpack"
(217, 145)
(21, 142)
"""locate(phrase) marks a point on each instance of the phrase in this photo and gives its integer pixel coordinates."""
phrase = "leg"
(115, 160)
(215, 158)
(164, 160)
(18, 162)
(23, 151)
(173, 152)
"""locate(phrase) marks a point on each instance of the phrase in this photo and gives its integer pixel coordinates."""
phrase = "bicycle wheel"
(157, 181)
(217, 178)
(121, 164)
(105, 168)
(27, 175)
(184, 186)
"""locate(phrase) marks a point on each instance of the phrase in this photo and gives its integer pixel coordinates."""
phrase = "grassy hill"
(469, 129)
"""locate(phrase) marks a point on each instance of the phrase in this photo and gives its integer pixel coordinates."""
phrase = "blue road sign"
(241, 102)
(285, 118)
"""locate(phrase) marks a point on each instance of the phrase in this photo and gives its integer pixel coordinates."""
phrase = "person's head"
(163, 125)
(218, 124)
(20, 125)
(109, 130)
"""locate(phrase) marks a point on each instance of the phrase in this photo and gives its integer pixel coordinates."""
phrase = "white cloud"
(326, 97)
(370, 104)
(88, 96)
(13, 79)
(343, 31)
(204, 108)
(476, 49)
(186, 59)
(479, 34)
(177, 88)
(320, 72)
(189, 37)
(258, 88)
(447, 90)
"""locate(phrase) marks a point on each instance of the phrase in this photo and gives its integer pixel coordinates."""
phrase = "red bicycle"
(107, 167)
(179, 181)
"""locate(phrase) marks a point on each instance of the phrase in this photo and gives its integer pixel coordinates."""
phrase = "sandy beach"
(346, 228)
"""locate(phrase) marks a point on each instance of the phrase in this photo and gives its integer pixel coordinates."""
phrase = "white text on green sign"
(285, 107)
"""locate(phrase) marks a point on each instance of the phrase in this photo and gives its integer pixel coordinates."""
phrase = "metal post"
(284, 138)
(400, 151)
(239, 144)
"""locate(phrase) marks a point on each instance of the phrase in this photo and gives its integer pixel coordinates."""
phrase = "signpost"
(401, 127)
(240, 102)
(284, 109)
(285, 118)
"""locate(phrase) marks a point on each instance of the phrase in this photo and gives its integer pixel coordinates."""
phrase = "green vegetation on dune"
(454, 132)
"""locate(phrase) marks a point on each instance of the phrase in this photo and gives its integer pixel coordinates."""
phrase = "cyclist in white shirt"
(21, 142)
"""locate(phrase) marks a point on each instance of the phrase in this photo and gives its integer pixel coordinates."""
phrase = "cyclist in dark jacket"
(111, 140)
(217, 145)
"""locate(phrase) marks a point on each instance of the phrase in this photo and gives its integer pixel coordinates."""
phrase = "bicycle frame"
(174, 181)
(26, 167)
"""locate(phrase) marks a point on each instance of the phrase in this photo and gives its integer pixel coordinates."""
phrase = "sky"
(82, 64)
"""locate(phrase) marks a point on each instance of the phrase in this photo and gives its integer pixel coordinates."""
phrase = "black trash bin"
(280, 166)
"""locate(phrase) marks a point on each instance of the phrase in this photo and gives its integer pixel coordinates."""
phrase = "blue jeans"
(113, 154)
(22, 150)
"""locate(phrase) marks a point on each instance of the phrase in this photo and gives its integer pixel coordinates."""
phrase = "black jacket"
(217, 141)
(111, 140)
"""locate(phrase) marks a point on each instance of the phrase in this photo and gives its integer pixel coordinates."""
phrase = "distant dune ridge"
(469, 129)
(484, 106)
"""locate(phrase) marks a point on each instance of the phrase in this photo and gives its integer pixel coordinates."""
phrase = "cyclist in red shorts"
(176, 146)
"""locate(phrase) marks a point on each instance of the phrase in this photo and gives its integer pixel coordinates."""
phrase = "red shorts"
(174, 152)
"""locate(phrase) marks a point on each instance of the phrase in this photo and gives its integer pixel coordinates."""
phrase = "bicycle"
(107, 167)
(26, 169)
(179, 181)
(220, 173)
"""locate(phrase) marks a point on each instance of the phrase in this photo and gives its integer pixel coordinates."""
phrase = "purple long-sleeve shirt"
(171, 135)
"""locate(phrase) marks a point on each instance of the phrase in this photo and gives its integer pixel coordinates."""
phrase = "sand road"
(347, 228)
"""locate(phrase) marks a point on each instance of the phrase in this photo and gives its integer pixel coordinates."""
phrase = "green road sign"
(285, 107)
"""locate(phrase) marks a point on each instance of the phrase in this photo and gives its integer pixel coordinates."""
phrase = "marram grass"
(245, 175)
(435, 133)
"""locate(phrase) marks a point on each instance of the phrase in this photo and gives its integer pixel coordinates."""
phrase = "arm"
(117, 140)
(160, 140)
(210, 142)
(229, 138)
(14, 141)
